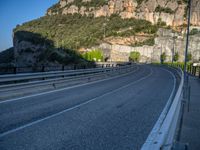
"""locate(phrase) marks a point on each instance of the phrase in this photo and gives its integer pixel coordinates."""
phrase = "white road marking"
(162, 116)
(77, 106)
(67, 88)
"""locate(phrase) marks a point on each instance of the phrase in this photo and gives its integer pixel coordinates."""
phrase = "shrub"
(163, 57)
(161, 23)
(176, 57)
(149, 42)
(194, 31)
(7, 56)
(94, 55)
(139, 1)
(189, 57)
(134, 56)
(163, 9)
(75, 31)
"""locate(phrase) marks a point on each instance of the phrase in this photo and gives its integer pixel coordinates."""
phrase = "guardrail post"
(195, 71)
(43, 69)
(199, 72)
(63, 67)
(15, 70)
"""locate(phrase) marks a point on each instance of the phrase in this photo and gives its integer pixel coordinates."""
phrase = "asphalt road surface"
(112, 114)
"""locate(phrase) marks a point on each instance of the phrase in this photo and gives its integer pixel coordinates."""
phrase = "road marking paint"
(162, 116)
(72, 108)
(67, 88)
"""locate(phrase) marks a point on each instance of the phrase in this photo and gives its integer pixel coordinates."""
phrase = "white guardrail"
(56, 74)
(163, 133)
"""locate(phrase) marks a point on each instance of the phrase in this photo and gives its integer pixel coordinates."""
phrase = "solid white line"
(162, 116)
(67, 88)
(176, 69)
(77, 106)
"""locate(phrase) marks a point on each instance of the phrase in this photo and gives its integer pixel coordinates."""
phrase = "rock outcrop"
(117, 47)
(173, 12)
(166, 41)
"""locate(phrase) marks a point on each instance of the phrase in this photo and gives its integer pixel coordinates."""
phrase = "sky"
(14, 12)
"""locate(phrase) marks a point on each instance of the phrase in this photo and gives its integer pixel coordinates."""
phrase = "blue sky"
(13, 12)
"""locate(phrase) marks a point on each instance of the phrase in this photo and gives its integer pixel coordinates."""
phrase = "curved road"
(112, 114)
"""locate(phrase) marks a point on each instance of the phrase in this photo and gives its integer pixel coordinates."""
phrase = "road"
(113, 114)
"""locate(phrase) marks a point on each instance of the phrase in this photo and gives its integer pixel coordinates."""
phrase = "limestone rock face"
(82, 10)
(86, 1)
(126, 40)
(103, 11)
(195, 15)
(26, 53)
(179, 16)
(71, 10)
(63, 3)
(125, 8)
(165, 42)
(131, 9)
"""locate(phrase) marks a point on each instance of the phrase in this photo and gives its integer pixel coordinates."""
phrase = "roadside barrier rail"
(6, 79)
(164, 131)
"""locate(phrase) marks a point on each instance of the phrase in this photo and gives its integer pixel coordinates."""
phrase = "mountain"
(116, 27)
(173, 12)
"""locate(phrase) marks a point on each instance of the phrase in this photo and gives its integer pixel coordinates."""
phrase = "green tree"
(161, 23)
(134, 56)
(194, 31)
(94, 55)
(189, 57)
(176, 57)
(163, 57)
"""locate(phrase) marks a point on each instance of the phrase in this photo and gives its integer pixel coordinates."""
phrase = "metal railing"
(46, 68)
(192, 69)
(163, 133)
(12, 86)
(6, 79)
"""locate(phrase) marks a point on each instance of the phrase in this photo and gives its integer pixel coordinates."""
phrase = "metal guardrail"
(193, 69)
(46, 68)
(55, 74)
(9, 90)
(162, 138)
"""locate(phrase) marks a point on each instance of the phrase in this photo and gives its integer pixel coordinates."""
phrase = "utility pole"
(173, 49)
(187, 43)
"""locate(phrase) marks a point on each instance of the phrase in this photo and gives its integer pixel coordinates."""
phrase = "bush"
(163, 9)
(194, 31)
(76, 31)
(149, 42)
(139, 1)
(161, 23)
(134, 56)
(7, 56)
(176, 57)
(94, 55)
(163, 57)
(189, 57)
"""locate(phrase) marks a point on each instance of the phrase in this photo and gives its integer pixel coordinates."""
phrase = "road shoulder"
(190, 132)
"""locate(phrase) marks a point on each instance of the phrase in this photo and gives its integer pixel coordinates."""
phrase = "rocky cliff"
(166, 41)
(117, 27)
(173, 12)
